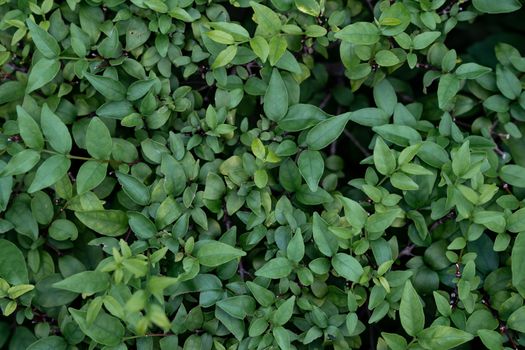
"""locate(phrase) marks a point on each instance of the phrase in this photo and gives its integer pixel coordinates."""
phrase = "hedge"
(306, 174)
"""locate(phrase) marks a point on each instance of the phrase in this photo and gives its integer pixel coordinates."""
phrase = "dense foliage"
(190, 174)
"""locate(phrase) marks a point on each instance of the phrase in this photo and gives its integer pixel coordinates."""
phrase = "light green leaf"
(411, 312)
(89, 282)
(106, 222)
(359, 33)
(135, 189)
(347, 266)
(384, 158)
(224, 57)
(443, 337)
(448, 87)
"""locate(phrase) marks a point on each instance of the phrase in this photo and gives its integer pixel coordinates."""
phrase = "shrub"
(262, 175)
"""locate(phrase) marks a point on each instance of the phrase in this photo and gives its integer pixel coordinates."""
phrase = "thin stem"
(356, 143)
(70, 156)
(147, 335)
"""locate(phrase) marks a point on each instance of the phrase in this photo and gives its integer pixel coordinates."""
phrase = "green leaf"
(310, 7)
(516, 221)
(347, 266)
(502, 6)
(275, 268)
(29, 129)
(282, 338)
(277, 48)
(215, 187)
(302, 116)
(284, 312)
(311, 167)
(55, 131)
(224, 57)
(411, 312)
(326, 132)
(105, 329)
(384, 158)
(386, 58)
(516, 320)
(295, 248)
(403, 182)
(44, 42)
(143, 227)
(137, 32)
(359, 33)
(98, 139)
(135, 189)
(385, 96)
(106, 222)
(518, 262)
(424, 39)
(325, 241)
(370, 117)
(443, 337)
(400, 135)
(89, 282)
(42, 73)
(49, 343)
(276, 97)
(215, 253)
(513, 175)
(379, 222)
(111, 89)
(21, 163)
(448, 88)
(90, 175)
(268, 21)
(238, 306)
(471, 71)
(508, 83)
(260, 47)
(12, 264)
(50, 172)
(491, 339)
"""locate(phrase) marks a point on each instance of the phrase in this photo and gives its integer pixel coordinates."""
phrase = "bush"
(262, 175)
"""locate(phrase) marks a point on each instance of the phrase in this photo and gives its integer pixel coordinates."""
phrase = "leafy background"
(262, 175)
